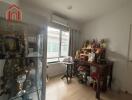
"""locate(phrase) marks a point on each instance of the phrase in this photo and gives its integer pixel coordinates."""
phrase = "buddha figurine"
(102, 43)
(77, 55)
(85, 44)
(89, 46)
(94, 43)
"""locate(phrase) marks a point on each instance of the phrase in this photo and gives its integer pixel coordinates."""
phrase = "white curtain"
(74, 41)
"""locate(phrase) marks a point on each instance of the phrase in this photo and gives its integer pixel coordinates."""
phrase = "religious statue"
(77, 55)
(103, 43)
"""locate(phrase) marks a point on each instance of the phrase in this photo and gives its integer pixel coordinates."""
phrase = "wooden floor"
(58, 89)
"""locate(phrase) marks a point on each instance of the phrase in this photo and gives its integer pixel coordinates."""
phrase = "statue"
(103, 43)
(77, 56)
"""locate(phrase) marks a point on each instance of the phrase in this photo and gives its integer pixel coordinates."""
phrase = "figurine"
(86, 44)
(93, 43)
(102, 43)
(77, 56)
(20, 80)
(89, 46)
(91, 56)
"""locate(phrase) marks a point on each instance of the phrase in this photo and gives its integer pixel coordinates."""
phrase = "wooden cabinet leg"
(98, 90)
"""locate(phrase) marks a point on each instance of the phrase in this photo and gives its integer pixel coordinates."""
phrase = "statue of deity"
(103, 43)
(77, 55)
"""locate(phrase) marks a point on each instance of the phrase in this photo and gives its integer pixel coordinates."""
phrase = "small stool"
(68, 73)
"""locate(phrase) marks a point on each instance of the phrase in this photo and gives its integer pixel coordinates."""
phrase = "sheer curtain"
(74, 41)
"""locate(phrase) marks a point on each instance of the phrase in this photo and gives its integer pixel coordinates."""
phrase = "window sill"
(54, 62)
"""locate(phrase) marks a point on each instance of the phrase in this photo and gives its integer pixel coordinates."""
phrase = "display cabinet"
(23, 48)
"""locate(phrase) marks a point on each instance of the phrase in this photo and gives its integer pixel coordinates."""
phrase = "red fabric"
(94, 75)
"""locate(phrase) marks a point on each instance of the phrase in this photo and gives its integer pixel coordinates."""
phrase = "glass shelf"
(25, 95)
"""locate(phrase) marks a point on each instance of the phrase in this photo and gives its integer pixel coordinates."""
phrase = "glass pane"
(34, 45)
(65, 43)
(53, 42)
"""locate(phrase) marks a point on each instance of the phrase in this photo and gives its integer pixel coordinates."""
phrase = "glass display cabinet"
(22, 48)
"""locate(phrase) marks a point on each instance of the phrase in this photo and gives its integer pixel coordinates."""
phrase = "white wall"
(114, 27)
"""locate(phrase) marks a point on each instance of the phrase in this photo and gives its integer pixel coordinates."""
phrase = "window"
(64, 43)
(58, 44)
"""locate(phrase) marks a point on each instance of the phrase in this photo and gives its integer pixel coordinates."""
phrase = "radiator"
(55, 69)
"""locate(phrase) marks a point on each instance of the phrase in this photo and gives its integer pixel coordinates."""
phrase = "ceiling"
(79, 10)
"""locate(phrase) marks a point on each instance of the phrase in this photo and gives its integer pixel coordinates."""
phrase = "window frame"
(60, 42)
